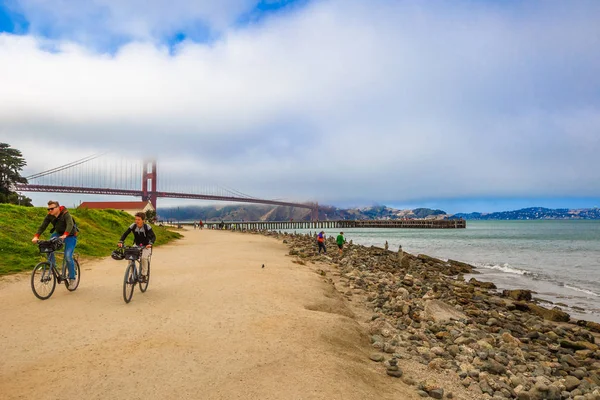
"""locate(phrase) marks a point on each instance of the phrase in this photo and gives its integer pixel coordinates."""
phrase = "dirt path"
(212, 325)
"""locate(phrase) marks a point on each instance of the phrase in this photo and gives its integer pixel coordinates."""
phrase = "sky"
(463, 106)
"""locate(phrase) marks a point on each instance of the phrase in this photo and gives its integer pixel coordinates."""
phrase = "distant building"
(130, 207)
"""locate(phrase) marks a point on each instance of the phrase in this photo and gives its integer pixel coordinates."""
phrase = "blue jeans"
(70, 243)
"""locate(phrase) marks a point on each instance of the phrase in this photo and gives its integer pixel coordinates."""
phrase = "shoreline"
(497, 344)
(544, 293)
(538, 270)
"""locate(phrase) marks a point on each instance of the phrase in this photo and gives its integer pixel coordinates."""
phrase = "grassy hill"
(99, 231)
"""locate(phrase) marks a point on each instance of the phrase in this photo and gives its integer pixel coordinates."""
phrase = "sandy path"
(213, 325)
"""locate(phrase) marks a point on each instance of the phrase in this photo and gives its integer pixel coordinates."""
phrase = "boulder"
(592, 326)
(555, 314)
(519, 294)
(438, 311)
(571, 383)
(461, 267)
(428, 259)
(484, 285)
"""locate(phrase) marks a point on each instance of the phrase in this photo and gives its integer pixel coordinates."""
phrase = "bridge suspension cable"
(237, 192)
(66, 166)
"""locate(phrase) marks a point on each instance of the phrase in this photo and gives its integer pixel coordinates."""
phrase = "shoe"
(72, 282)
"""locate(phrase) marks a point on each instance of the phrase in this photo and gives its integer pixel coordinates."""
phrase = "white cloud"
(338, 102)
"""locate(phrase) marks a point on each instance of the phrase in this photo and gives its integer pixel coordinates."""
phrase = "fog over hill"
(279, 213)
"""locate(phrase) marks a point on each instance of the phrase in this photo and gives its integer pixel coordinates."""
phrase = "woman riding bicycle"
(143, 236)
(63, 226)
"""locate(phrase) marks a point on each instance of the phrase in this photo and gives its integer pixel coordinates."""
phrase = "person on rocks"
(321, 242)
(143, 236)
(340, 241)
(63, 226)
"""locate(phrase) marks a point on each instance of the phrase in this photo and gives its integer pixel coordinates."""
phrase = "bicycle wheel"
(129, 282)
(144, 284)
(74, 286)
(43, 281)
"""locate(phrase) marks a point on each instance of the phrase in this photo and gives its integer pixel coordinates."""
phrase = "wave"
(506, 268)
(582, 290)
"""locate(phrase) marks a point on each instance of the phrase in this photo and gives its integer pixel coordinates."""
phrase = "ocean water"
(558, 260)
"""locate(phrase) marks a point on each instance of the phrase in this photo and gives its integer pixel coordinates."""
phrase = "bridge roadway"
(139, 193)
(398, 224)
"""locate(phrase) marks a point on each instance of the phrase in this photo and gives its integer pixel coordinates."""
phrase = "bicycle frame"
(51, 257)
(137, 264)
(137, 268)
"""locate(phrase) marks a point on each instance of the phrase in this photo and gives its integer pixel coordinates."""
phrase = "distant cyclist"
(143, 236)
(63, 226)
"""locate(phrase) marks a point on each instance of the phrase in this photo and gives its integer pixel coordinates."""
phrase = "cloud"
(337, 101)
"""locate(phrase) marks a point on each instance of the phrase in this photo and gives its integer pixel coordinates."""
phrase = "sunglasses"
(51, 208)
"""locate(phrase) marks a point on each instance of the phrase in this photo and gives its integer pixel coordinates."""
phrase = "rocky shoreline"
(500, 345)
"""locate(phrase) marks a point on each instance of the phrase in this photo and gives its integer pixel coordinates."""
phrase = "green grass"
(99, 231)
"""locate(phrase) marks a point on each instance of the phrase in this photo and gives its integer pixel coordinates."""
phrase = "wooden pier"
(340, 224)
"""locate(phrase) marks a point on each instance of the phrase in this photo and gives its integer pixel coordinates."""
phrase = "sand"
(213, 324)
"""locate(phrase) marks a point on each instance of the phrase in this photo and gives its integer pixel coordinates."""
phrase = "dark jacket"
(141, 236)
(63, 224)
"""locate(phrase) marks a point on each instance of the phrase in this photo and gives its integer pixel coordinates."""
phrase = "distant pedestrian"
(201, 224)
(195, 225)
(321, 242)
(340, 241)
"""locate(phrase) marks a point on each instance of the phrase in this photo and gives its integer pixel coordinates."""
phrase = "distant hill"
(533, 213)
(278, 213)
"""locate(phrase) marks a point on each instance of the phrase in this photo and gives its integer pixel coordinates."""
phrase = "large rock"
(568, 344)
(494, 367)
(554, 314)
(518, 294)
(461, 267)
(381, 327)
(433, 260)
(592, 326)
(484, 285)
(438, 311)
(571, 383)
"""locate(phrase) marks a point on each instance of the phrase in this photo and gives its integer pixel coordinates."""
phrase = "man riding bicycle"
(63, 226)
(143, 236)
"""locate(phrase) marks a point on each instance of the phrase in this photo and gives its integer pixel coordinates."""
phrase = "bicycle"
(45, 274)
(133, 272)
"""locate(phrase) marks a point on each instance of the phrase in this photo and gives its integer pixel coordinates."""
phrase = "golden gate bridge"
(97, 174)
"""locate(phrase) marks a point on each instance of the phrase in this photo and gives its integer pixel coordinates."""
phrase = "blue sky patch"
(11, 21)
(264, 8)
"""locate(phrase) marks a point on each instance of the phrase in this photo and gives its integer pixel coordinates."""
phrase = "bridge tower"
(314, 213)
(149, 188)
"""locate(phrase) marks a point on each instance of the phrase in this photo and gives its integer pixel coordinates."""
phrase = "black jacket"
(141, 236)
(62, 224)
